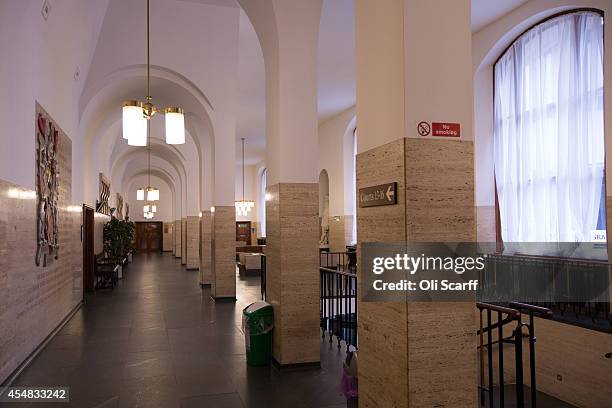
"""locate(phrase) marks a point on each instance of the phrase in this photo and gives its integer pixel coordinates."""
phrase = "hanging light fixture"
(243, 206)
(136, 115)
(149, 193)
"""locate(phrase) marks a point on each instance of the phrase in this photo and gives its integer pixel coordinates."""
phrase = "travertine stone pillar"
(223, 285)
(336, 234)
(206, 248)
(418, 354)
(193, 242)
(292, 271)
(415, 354)
(183, 241)
(178, 233)
(292, 241)
(168, 238)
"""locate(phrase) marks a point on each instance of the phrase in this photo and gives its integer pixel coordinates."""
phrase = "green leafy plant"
(118, 237)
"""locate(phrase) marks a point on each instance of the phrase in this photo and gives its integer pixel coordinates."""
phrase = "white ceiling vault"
(484, 12)
(206, 58)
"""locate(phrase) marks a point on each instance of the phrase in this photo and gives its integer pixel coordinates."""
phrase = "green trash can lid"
(257, 306)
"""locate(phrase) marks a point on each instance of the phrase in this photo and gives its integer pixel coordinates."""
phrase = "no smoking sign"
(423, 128)
(439, 129)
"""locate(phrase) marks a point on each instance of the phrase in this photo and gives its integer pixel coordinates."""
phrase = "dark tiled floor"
(542, 400)
(158, 340)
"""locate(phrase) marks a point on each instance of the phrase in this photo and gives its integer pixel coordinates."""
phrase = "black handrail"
(514, 312)
(338, 305)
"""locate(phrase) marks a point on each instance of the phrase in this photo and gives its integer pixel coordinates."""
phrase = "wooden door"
(149, 236)
(243, 231)
(87, 236)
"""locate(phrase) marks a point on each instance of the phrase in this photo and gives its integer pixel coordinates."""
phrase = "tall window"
(549, 132)
(262, 203)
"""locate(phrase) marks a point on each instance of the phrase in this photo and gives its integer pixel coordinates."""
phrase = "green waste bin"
(257, 325)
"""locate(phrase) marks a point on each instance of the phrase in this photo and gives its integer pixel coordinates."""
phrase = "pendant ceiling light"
(149, 193)
(136, 115)
(243, 206)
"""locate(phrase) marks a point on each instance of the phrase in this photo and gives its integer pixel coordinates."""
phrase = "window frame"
(498, 230)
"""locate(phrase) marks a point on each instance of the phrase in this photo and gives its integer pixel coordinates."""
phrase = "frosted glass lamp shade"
(140, 194)
(152, 194)
(147, 208)
(175, 126)
(154, 208)
(134, 124)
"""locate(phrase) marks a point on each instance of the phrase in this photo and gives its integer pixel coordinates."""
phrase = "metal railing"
(511, 315)
(560, 278)
(338, 306)
(338, 296)
(339, 261)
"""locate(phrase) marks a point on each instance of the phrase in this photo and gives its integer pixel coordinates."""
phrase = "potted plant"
(118, 238)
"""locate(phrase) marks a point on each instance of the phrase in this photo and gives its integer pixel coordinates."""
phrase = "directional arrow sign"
(382, 194)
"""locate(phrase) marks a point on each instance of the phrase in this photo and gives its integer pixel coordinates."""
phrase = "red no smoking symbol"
(423, 128)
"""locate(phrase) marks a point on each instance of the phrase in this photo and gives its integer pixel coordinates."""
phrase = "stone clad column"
(292, 267)
(178, 234)
(223, 276)
(193, 242)
(183, 241)
(206, 248)
(415, 354)
(292, 240)
(223, 218)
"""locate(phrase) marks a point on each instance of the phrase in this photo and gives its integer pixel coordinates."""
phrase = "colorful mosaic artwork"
(104, 192)
(47, 137)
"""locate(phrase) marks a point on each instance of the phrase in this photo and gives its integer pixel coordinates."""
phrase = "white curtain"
(549, 131)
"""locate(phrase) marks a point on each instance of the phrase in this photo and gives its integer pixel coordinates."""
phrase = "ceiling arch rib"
(134, 161)
(102, 119)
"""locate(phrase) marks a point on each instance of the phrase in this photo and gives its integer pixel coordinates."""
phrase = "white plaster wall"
(39, 61)
(335, 156)
(432, 92)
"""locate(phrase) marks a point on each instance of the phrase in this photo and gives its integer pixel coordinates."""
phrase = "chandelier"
(243, 206)
(149, 211)
(136, 115)
(149, 193)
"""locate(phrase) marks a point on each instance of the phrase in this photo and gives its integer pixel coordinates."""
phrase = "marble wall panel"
(336, 234)
(193, 242)
(178, 241)
(440, 207)
(206, 248)
(292, 271)
(418, 354)
(183, 241)
(35, 299)
(168, 238)
(383, 331)
(224, 253)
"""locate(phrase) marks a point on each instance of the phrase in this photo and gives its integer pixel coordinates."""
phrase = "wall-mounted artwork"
(47, 138)
(119, 207)
(102, 205)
